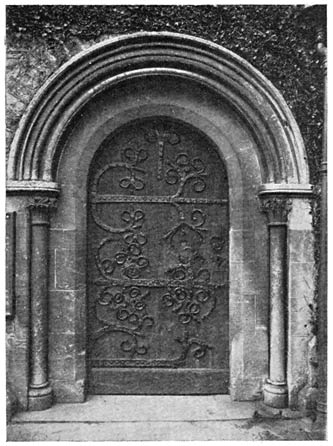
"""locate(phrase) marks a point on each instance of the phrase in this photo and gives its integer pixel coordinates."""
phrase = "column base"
(276, 395)
(40, 398)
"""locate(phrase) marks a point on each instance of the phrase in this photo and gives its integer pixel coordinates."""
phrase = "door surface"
(158, 262)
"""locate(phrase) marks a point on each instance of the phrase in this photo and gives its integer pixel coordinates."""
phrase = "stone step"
(127, 408)
(241, 430)
(156, 418)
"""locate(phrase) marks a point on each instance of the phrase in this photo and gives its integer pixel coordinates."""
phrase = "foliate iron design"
(129, 258)
(185, 240)
(138, 298)
(197, 347)
(162, 135)
(190, 304)
(132, 157)
(185, 169)
(218, 246)
(124, 311)
(189, 347)
(188, 234)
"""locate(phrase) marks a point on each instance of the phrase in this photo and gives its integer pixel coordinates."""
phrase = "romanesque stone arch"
(223, 96)
(34, 153)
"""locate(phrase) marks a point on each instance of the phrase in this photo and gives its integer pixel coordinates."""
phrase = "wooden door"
(158, 262)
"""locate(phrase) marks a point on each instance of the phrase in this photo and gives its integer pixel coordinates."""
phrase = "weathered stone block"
(65, 270)
(301, 246)
(300, 217)
(62, 311)
(256, 354)
(235, 321)
(69, 391)
(300, 316)
(62, 237)
(248, 314)
(250, 167)
(246, 389)
(301, 280)
(253, 281)
(80, 364)
(80, 303)
(236, 359)
(242, 245)
(297, 372)
(62, 351)
(261, 245)
(235, 273)
(236, 244)
(262, 310)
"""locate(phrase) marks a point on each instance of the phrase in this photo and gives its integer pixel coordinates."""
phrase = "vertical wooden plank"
(10, 263)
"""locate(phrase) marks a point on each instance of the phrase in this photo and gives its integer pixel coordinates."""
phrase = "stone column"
(275, 389)
(40, 392)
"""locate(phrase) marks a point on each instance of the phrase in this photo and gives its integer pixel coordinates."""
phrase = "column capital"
(42, 203)
(276, 208)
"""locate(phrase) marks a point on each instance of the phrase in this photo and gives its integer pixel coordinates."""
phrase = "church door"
(158, 262)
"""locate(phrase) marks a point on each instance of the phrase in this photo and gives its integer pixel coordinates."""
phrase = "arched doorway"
(158, 262)
(247, 127)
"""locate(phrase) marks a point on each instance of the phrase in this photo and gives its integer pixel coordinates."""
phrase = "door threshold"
(132, 408)
(153, 418)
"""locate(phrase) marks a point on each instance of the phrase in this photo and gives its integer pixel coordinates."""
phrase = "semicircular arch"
(36, 148)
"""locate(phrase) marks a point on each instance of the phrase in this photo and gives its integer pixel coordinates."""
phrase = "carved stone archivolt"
(35, 154)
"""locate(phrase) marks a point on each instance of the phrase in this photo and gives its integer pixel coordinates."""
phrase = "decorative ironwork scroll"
(129, 256)
(161, 135)
(183, 170)
(131, 157)
(158, 249)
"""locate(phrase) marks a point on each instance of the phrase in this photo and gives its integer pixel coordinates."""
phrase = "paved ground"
(117, 418)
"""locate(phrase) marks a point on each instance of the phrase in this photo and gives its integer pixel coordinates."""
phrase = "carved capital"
(40, 208)
(42, 203)
(276, 208)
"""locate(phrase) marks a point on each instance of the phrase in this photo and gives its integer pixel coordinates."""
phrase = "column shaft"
(275, 389)
(39, 323)
(40, 392)
(277, 304)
